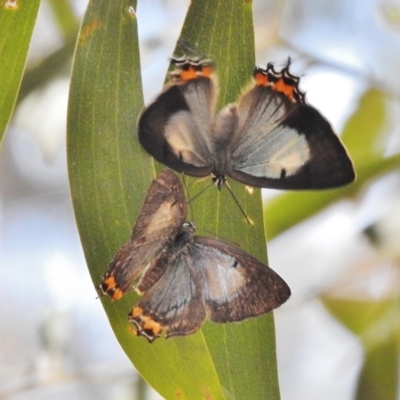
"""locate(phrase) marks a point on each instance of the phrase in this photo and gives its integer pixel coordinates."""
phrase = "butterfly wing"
(160, 219)
(203, 276)
(235, 285)
(285, 144)
(176, 128)
(173, 303)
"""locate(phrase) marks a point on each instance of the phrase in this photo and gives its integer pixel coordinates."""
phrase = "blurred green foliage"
(16, 26)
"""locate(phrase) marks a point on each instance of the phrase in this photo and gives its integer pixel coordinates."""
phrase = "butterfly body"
(269, 138)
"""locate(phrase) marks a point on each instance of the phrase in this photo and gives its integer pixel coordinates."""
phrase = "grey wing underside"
(161, 217)
(175, 300)
(285, 145)
(214, 279)
(176, 128)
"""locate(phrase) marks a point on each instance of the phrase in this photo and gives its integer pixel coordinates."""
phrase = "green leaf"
(243, 354)
(110, 175)
(58, 61)
(363, 140)
(16, 26)
(65, 17)
(377, 325)
(379, 374)
(48, 67)
(372, 321)
(364, 143)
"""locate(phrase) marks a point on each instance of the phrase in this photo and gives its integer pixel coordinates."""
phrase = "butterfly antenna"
(200, 193)
(187, 194)
(238, 204)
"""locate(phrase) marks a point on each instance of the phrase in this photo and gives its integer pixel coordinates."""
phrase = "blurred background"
(338, 336)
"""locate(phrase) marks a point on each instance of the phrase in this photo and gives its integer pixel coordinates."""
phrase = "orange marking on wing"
(284, 88)
(188, 74)
(110, 287)
(137, 312)
(117, 294)
(261, 79)
(206, 71)
(110, 282)
(152, 325)
(146, 322)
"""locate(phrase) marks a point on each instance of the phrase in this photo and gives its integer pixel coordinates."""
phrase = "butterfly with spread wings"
(186, 278)
(271, 138)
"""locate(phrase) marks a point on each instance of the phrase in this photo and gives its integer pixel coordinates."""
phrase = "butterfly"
(270, 138)
(185, 278)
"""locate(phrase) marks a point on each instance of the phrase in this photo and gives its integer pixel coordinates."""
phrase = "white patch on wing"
(184, 138)
(282, 149)
(161, 219)
(224, 280)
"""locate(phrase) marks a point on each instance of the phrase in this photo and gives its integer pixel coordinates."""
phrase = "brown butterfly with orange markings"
(185, 278)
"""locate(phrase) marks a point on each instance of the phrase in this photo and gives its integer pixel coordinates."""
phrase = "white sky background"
(55, 327)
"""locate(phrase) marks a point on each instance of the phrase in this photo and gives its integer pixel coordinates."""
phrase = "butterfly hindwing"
(161, 217)
(174, 303)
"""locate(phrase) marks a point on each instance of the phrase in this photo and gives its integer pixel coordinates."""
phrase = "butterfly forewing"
(160, 219)
(175, 128)
(299, 150)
